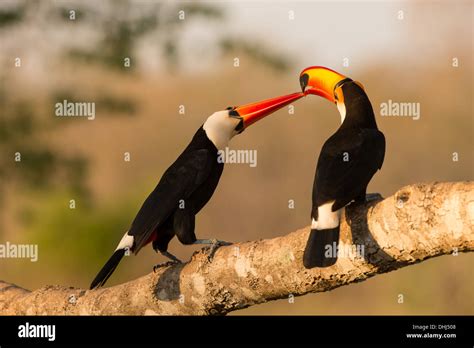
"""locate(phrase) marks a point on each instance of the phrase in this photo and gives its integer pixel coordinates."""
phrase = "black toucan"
(347, 162)
(187, 185)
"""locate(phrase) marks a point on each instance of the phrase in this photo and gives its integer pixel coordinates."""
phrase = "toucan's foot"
(214, 244)
(373, 197)
(173, 260)
(367, 198)
(165, 264)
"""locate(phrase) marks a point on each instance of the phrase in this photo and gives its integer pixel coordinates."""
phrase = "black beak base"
(304, 81)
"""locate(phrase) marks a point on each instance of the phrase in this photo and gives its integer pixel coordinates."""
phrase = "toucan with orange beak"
(347, 161)
(187, 185)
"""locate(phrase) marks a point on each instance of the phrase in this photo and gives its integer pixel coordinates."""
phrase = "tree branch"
(418, 222)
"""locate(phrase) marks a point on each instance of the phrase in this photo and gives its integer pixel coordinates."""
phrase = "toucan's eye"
(335, 97)
(234, 113)
(229, 108)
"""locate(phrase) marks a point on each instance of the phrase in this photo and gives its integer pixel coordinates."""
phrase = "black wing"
(179, 181)
(347, 162)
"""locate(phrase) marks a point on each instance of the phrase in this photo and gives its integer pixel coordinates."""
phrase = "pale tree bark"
(418, 222)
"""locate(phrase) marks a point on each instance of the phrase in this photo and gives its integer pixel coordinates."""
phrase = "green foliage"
(11, 16)
(64, 13)
(119, 35)
(77, 237)
(204, 10)
(77, 169)
(40, 164)
(256, 51)
(34, 169)
(121, 29)
(17, 124)
(116, 105)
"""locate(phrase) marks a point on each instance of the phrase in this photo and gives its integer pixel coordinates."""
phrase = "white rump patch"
(126, 242)
(326, 217)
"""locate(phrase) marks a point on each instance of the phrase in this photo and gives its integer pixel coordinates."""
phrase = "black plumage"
(185, 187)
(170, 209)
(347, 162)
(109, 268)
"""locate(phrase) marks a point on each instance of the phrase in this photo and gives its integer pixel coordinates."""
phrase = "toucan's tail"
(108, 269)
(321, 248)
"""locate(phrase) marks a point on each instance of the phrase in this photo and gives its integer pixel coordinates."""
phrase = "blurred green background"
(403, 56)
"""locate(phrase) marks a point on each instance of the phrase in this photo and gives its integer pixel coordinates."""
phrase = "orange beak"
(251, 113)
(321, 81)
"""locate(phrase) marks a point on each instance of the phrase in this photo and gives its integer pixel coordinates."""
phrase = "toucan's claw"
(214, 244)
(369, 197)
(166, 264)
(173, 260)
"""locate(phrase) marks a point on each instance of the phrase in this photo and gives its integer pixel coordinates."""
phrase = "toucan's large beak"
(251, 113)
(321, 81)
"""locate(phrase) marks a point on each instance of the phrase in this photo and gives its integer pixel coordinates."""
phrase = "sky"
(334, 33)
(329, 33)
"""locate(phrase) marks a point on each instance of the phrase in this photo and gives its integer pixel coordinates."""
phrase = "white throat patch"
(220, 128)
(342, 110)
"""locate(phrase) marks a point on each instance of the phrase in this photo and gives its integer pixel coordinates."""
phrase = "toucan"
(187, 185)
(347, 161)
